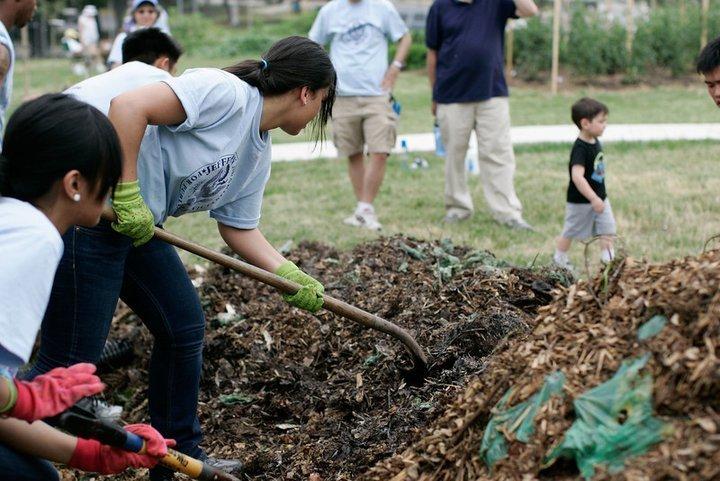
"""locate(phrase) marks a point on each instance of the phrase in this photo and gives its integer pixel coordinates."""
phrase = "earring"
(76, 197)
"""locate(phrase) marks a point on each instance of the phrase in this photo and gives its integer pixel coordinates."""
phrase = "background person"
(13, 13)
(358, 32)
(207, 148)
(708, 65)
(151, 56)
(90, 39)
(587, 212)
(61, 160)
(143, 14)
(465, 40)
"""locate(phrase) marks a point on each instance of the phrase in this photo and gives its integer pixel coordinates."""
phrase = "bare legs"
(367, 179)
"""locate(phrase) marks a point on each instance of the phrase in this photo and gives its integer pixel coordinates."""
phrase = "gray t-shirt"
(216, 161)
(7, 86)
(358, 34)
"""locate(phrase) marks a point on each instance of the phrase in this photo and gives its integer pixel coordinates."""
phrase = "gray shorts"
(581, 221)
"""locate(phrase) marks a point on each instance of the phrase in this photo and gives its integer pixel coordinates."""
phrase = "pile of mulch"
(297, 396)
(586, 332)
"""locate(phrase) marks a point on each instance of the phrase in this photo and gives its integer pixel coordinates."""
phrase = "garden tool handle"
(288, 287)
(81, 423)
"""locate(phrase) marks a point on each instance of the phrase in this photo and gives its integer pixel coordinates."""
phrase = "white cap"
(89, 10)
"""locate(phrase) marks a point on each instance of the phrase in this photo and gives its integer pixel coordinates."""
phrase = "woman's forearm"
(37, 439)
(252, 246)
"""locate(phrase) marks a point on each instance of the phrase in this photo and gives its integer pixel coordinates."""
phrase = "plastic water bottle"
(439, 146)
(404, 155)
(471, 160)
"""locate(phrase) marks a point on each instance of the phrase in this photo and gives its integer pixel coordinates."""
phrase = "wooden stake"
(704, 23)
(25, 48)
(557, 10)
(509, 47)
(630, 26)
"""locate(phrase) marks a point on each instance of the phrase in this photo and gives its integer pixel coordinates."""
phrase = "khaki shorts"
(582, 222)
(360, 121)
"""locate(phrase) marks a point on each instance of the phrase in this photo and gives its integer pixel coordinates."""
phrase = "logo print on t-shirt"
(202, 189)
(356, 34)
(598, 174)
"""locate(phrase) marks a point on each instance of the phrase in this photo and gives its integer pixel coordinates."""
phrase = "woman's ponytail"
(291, 63)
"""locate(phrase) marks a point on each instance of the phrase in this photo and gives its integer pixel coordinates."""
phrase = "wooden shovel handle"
(288, 287)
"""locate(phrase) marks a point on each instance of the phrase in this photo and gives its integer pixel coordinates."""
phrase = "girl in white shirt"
(61, 159)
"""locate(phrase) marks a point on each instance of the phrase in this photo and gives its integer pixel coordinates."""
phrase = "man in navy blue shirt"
(465, 40)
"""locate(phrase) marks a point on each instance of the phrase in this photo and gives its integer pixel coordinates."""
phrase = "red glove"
(91, 456)
(55, 391)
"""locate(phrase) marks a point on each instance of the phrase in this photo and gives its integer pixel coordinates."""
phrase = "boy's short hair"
(587, 108)
(148, 44)
(709, 58)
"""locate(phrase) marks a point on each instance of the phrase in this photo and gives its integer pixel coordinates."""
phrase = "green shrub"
(532, 51)
(418, 51)
(593, 47)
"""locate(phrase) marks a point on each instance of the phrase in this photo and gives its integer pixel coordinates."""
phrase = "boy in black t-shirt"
(588, 212)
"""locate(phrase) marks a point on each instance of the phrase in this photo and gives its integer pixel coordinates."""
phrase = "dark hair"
(146, 45)
(291, 63)
(709, 58)
(52, 135)
(587, 108)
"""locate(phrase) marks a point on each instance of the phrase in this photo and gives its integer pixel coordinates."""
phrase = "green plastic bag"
(615, 422)
(519, 419)
(652, 327)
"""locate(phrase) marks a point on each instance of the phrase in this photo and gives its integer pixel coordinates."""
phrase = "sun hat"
(136, 3)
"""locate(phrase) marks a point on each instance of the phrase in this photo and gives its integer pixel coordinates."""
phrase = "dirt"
(587, 332)
(301, 396)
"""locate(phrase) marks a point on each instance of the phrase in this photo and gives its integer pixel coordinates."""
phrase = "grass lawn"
(664, 199)
(531, 105)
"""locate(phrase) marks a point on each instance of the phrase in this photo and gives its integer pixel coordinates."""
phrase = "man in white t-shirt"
(149, 56)
(13, 13)
(363, 116)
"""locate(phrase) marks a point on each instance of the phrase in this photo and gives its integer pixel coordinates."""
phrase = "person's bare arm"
(393, 70)
(577, 174)
(525, 8)
(251, 245)
(37, 439)
(431, 64)
(4, 63)
(131, 113)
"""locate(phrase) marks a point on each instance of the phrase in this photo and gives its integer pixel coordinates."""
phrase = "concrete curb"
(534, 134)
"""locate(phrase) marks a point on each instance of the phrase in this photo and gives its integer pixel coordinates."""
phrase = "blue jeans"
(98, 267)
(21, 467)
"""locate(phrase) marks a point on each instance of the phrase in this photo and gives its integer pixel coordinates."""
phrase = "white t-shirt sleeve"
(394, 25)
(318, 31)
(244, 212)
(115, 55)
(27, 271)
(208, 96)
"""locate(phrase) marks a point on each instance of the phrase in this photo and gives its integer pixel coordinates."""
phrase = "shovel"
(414, 376)
(84, 424)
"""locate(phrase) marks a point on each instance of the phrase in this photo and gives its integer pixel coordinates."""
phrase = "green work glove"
(310, 296)
(134, 218)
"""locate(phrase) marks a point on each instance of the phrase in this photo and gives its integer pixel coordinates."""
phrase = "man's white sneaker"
(369, 220)
(353, 220)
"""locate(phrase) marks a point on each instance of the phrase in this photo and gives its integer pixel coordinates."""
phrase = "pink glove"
(91, 456)
(55, 391)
